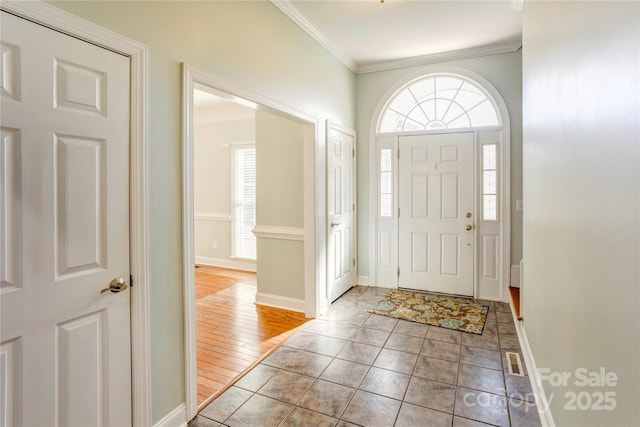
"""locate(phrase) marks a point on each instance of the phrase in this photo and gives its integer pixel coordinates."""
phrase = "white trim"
(365, 281)
(277, 232)
(212, 216)
(226, 263)
(75, 26)
(505, 166)
(438, 58)
(277, 301)
(546, 418)
(188, 243)
(175, 418)
(314, 204)
(296, 16)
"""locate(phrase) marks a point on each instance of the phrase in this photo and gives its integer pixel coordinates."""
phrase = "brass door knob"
(468, 227)
(117, 285)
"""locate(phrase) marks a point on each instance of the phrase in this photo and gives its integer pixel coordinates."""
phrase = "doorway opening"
(232, 333)
(289, 189)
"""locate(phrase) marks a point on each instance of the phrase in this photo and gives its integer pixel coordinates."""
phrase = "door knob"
(117, 285)
(335, 224)
(468, 227)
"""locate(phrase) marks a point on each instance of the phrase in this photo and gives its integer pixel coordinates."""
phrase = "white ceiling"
(367, 35)
(202, 99)
(209, 108)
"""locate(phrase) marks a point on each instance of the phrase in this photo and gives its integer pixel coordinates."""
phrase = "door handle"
(117, 285)
(468, 227)
(335, 224)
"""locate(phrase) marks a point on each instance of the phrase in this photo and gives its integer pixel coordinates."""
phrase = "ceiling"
(209, 108)
(367, 35)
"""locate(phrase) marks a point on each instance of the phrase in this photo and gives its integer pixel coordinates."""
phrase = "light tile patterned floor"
(355, 368)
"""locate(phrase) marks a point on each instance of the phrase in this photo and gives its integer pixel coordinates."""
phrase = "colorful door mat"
(433, 310)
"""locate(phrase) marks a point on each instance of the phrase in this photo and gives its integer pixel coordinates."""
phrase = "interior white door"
(341, 211)
(65, 357)
(436, 202)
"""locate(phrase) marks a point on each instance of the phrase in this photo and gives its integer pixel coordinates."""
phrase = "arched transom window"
(441, 101)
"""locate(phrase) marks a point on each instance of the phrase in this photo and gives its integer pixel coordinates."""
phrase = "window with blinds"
(244, 203)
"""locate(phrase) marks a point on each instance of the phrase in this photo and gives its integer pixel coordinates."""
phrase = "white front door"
(341, 211)
(436, 213)
(64, 230)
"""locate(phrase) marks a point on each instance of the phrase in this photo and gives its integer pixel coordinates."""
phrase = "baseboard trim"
(175, 418)
(546, 419)
(278, 301)
(365, 281)
(226, 263)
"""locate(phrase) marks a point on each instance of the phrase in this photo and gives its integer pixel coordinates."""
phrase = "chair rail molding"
(278, 232)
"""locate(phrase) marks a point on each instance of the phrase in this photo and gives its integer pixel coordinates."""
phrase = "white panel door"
(65, 358)
(436, 202)
(341, 211)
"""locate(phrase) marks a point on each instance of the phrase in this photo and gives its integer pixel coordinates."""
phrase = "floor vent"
(515, 364)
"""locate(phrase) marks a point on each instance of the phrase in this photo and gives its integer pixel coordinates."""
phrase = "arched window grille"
(441, 101)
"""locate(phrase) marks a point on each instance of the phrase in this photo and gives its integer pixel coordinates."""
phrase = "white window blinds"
(244, 203)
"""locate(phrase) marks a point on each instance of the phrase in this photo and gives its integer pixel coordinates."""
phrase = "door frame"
(62, 21)
(314, 165)
(504, 176)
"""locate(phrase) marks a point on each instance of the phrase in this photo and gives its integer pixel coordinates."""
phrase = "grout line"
(370, 366)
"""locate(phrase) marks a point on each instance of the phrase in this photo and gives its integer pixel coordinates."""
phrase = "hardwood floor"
(515, 297)
(233, 333)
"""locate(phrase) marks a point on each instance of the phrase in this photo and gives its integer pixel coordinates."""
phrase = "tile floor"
(354, 368)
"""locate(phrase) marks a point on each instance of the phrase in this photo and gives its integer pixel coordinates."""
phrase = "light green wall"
(281, 268)
(212, 181)
(279, 202)
(279, 173)
(503, 71)
(581, 294)
(248, 44)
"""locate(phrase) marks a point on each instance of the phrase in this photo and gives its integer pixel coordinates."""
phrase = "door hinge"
(354, 262)
(354, 152)
(354, 207)
(131, 280)
(398, 154)
(398, 212)
(398, 271)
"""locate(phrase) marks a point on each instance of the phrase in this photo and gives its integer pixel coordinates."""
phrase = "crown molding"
(286, 7)
(437, 58)
(294, 14)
